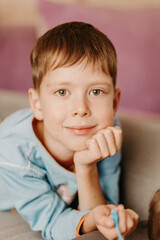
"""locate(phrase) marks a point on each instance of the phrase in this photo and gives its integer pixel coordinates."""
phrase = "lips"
(80, 130)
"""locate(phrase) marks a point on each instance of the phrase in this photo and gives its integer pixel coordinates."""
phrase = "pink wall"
(135, 34)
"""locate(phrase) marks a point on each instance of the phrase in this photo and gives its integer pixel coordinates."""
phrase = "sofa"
(139, 179)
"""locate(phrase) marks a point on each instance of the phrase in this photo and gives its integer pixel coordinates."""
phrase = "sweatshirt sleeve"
(109, 173)
(37, 203)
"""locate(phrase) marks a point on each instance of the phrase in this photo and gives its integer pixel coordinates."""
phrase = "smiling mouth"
(81, 130)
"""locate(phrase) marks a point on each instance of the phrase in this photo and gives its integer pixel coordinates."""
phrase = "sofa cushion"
(11, 101)
(139, 234)
(136, 37)
(14, 227)
(140, 176)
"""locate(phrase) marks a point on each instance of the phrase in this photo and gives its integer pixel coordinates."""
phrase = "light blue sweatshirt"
(37, 186)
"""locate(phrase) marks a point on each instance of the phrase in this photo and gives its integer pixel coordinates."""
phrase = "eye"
(96, 92)
(62, 92)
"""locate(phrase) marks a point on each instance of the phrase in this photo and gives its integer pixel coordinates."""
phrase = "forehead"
(62, 59)
(82, 63)
(78, 74)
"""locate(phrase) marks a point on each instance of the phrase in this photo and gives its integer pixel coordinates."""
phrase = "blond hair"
(154, 217)
(71, 43)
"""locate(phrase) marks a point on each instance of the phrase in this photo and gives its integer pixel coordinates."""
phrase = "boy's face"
(74, 103)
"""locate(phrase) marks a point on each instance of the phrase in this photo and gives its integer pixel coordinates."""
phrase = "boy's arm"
(89, 190)
(36, 201)
(103, 144)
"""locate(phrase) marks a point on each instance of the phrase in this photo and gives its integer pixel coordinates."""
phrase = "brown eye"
(62, 92)
(96, 92)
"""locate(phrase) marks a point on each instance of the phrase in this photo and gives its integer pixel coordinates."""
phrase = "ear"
(35, 103)
(116, 100)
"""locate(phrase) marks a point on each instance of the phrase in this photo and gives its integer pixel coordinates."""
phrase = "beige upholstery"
(140, 169)
(140, 162)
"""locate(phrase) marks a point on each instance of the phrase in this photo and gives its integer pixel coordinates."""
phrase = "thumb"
(104, 216)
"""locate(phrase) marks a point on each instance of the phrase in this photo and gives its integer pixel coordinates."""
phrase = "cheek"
(53, 112)
(55, 119)
(106, 118)
(51, 118)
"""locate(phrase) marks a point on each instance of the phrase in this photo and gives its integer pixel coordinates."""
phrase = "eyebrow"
(68, 83)
(106, 84)
(59, 83)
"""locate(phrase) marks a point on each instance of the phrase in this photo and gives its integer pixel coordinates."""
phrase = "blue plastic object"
(115, 218)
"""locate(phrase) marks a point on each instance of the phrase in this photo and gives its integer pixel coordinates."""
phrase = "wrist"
(86, 169)
(88, 224)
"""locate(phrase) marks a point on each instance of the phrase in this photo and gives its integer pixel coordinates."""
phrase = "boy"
(154, 217)
(70, 141)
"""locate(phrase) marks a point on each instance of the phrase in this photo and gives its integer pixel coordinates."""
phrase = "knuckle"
(118, 147)
(108, 130)
(106, 155)
(130, 224)
(99, 135)
(136, 216)
(113, 152)
(98, 155)
(102, 132)
(124, 229)
(118, 130)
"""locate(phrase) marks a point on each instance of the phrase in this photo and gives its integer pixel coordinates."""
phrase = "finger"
(122, 219)
(133, 214)
(109, 233)
(117, 132)
(131, 221)
(107, 221)
(108, 230)
(93, 149)
(130, 225)
(134, 218)
(103, 145)
(101, 214)
(108, 133)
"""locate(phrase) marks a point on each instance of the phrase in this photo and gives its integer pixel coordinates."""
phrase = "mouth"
(80, 130)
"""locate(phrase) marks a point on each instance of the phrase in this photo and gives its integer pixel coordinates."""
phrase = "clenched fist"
(103, 144)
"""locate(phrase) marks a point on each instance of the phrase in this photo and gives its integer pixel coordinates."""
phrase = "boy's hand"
(100, 218)
(104, 143)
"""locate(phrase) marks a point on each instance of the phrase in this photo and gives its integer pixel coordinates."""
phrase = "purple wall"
(15, 47)
(135, 34)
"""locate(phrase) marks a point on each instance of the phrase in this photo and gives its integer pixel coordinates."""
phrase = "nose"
(80, 108)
